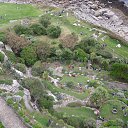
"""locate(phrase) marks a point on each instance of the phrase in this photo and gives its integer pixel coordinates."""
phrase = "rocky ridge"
(96, 13)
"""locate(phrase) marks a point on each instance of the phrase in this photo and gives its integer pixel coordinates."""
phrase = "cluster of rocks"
(96, 13)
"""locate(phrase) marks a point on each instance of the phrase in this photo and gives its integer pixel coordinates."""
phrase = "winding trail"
(8, 117)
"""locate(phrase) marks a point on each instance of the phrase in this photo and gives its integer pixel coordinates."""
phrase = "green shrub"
(11, 56)
(104, 54)
(1, 57)
(99, 96)
(89, 123)
(119, 71)
(80, 55)
(29, 55)
(2, 36)
(38, 69)
(20, 29)
(93, 83)
(26, 119)
(1, 125)
(10, 102)
(116, 122)
(45, 21)
(21, 67)
(38, 29)
(70, 84)
(6, 81)
(54, 31)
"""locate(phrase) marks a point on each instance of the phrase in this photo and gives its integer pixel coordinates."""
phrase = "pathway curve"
(8, 117)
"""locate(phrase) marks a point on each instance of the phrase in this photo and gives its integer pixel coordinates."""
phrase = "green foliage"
(29, 55)
(21, 67)
(89, 123)
(119, 71)
(38, 93)
(105, 54)
(80, 55)
(45, 21)
(38, 29)
(88, 45)
(6, 81)
(70, 84)
(1, 57)
(11, 56)
(1, 125)
(99, 96)
(2, 36)
(116, 122)
(67, 54)
(20, 29)
(54, 31)
(93, 83)
(38, 69)
(43, 50)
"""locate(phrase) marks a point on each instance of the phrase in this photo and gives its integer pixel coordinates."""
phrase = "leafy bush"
(104, 54)
(38, 69)
(45, 21)
(38, 93)
(119, 71)
(116, 122)
(1, 125)
(1, 57)
(20, 29)
(38, 29)
(6, 81)
(93, 83)
(99, 96)
(67, 54)
(11, 56)
(89, 123)
(43, 50)
(2, 36)
(80, 55)
(21, 67)
(29, 55)
(88, 45)
(70, 84)
(54, 31)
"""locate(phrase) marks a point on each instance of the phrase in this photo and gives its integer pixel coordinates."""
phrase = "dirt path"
(8, 116)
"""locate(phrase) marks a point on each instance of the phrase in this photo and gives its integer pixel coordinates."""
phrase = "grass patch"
(81, 112)
(106, 110)
(11, 11)
(78, 95)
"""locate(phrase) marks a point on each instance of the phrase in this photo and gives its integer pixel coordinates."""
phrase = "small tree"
(29, 55)
(38, 29)
(54, 31)
(99, 96)
(45, 21)
(20, 29)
